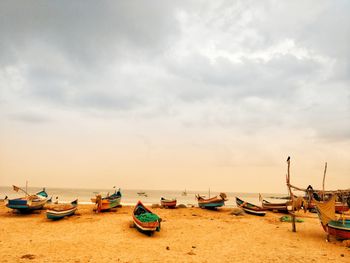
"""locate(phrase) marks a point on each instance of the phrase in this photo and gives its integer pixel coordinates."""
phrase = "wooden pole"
(291, 196)
(324, 177)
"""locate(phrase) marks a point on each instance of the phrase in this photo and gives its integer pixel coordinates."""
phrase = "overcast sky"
(174, 94)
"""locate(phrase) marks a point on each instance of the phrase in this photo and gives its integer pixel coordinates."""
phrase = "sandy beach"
(187, 235)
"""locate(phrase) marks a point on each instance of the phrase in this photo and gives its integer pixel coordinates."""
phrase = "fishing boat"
(108, 202)
(333, 226)
(339, 207)
(275, 207)
(145, 220)
(211, 203)
(168, 203)
(141, 193)
(250, 208)
(59, 211)
(28, 202)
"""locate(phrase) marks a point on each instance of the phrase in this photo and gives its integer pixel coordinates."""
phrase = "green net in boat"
(147, 217)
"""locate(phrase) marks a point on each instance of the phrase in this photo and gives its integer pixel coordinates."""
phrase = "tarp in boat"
(326, 210)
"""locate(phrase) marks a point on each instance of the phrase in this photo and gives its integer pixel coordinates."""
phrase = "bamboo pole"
(324, 177)
(291, 196)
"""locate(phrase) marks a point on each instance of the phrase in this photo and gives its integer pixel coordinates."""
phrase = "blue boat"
(59, 211)
(29, 202)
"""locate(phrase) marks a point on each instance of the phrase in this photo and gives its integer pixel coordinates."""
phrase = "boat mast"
(324, 177)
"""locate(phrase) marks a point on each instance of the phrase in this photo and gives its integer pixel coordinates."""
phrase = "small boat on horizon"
(141, 193)
(145, 220)
(59, 211)
(168, 203)
(250, 208)
(211, 203)
(184, 193)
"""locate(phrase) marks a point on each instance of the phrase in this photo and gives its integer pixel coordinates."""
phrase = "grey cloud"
(33, 118)
(74, 53)
(87, 32)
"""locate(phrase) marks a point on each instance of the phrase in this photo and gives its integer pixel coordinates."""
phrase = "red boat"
(340, 228)
(168, 203)
(145, 220)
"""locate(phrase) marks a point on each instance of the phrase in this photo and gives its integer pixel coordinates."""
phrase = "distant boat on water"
(184, 193)
(141, 193)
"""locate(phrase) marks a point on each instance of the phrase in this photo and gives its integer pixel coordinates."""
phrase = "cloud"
(31, 118)
(253, 66)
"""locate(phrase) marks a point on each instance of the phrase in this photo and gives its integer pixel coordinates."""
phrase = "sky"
(175, 94)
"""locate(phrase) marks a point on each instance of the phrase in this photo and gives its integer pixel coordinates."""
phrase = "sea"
(131, 196)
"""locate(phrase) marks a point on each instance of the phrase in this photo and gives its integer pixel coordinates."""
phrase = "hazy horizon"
(175, 94)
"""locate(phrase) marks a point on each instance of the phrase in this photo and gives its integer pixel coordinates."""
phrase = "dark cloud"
(251, 65)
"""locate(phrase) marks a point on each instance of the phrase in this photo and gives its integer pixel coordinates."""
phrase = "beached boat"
(339, 207)
(275, 207)
(108, 202)
(59, 211)
(145, 220)
(212, 203)
(168, 203)
(250, 208)
(337, 227)
(29, 202)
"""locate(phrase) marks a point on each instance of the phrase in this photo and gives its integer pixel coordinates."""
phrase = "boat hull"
(339, 229)
(250, 208)
(56, 215)
(23, 205)
(145, 227)
(108, 204)
(168, 203)
(275, 207)
(211, 205)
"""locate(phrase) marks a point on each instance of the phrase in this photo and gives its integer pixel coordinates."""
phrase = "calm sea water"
(130, 197)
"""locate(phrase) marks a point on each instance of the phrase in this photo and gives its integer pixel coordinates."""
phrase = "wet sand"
(187, 235)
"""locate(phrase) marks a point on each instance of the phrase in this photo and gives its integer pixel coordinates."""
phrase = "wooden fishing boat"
(339, 228)
(108, 202)
(59, 211)
(142, 223)
(29, 202)
(275, 207)
(250, 208)
(339, 207)
(168, 203)
(212, 203)
(333, 226)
